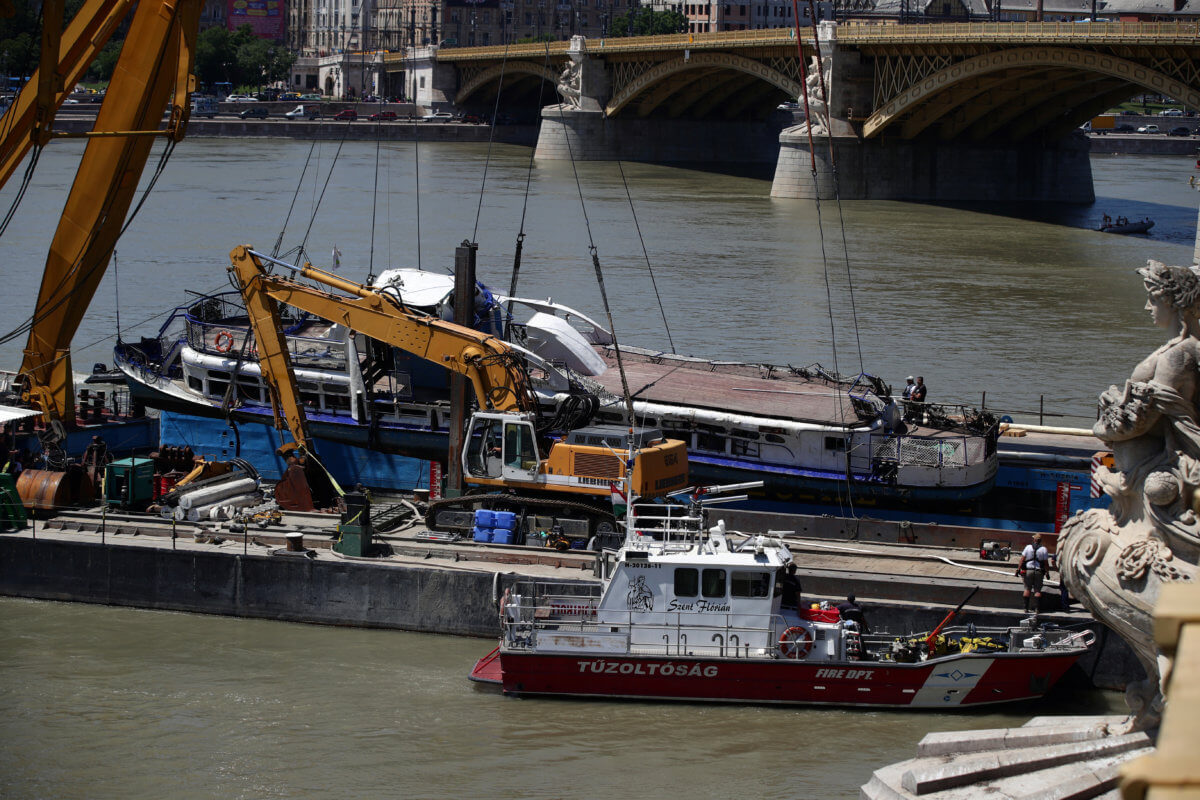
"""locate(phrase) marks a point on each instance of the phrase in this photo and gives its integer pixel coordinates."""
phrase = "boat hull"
(960, 680)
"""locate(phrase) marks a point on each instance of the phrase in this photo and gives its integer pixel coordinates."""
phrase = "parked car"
(1171, 112)
(472, 119)
(258, 112)
(1181, 130)
(382, 116)
(241, 98)
(1148, 129)
(314, 97)
(290, 96)
(439, 116)
(303, 112)
(346, 113)
(1123, 129)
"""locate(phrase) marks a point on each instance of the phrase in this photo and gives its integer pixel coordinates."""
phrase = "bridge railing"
(860, 33)
(1140, 32)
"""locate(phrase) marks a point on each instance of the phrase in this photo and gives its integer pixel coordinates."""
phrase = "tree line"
(238, 57)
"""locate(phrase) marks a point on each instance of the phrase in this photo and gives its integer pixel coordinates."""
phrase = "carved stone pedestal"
(1047, 758)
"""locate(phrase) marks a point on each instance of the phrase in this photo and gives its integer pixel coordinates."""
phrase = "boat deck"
(736, 388)
(758, 390)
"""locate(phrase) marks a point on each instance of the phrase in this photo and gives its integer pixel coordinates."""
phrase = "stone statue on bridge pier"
(816, 87)
(570, 82)
(1117, 560)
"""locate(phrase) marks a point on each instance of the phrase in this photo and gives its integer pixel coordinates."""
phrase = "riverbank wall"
(357, 130)
(439, 593)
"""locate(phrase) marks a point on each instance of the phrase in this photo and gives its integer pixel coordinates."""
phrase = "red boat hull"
(958, 680)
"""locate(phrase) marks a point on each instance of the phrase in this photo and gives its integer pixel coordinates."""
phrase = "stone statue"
(570, 82)
(816, 86)
(1116, 560)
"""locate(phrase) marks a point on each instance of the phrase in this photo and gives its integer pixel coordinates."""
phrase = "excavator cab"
(503, 447)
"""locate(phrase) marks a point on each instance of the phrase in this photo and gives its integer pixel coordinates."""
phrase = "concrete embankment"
(397, 131)
(1142, 144)
(451, 587)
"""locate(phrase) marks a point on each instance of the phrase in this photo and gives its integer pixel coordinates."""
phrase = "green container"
(12, 512)
(353, 540)
(129, 483)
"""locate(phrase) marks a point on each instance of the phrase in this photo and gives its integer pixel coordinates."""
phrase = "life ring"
(223, 341)
(795, 642)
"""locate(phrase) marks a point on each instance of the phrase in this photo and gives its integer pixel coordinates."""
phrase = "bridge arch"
(921, 99)
(699, 61)
(498, 72)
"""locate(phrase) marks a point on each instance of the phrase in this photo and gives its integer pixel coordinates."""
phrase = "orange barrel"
(44, 490)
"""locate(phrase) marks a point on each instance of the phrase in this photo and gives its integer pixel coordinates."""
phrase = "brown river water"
(100, 702)
(1023, 303)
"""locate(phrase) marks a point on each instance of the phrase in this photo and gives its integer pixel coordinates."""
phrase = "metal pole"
(1041, 409)
(172, 531)
(464, 314)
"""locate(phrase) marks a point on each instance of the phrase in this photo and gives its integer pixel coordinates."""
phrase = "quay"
(434, 585)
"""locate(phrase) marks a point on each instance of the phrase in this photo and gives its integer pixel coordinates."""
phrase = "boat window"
(745, 434)
(195, 383)
(710, 442)
(835, 443)
(217, 387)
(750, 584)
(740, 448)
(687, 582)
(775, 438)
(713, 583)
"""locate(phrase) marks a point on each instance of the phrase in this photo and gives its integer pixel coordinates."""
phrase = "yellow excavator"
(508, 462)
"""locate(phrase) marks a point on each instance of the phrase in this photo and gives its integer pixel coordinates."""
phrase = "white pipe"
(197, 513)
(211, 494)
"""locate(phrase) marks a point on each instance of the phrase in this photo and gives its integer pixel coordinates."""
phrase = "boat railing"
(228, 341)
(8, 379)
(942, 451)
(546, 620)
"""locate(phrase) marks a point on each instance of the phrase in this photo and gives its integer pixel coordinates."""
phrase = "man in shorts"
(1034, 563)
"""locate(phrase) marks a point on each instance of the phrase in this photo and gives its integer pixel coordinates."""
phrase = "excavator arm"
(155, 66)
(498, 378)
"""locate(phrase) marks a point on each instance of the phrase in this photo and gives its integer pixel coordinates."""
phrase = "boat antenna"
(417, 180)
(646, 255)
(520, 244)
(117, 290)
(374, 203)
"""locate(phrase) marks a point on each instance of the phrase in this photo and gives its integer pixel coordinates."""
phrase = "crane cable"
(520, 243)
(812, 155)
(40, 315)
(646, 255)
(295, 197)
(487, 161)
(595, 254)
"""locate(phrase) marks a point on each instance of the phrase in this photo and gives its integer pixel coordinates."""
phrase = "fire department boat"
(684, 613)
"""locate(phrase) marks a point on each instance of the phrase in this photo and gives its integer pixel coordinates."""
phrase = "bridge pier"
(896, 169)
(584, 135)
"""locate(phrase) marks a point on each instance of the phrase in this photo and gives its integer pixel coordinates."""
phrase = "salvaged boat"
(806, 433)
(682, 613)
(1125, 226)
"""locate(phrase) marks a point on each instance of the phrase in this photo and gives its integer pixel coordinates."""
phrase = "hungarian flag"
(619, 501)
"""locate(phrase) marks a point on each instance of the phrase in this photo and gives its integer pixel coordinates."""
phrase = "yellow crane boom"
(154, 67)
(497, 377)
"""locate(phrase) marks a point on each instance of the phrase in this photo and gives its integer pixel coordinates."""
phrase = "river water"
(1021, 303)
(117, 703)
